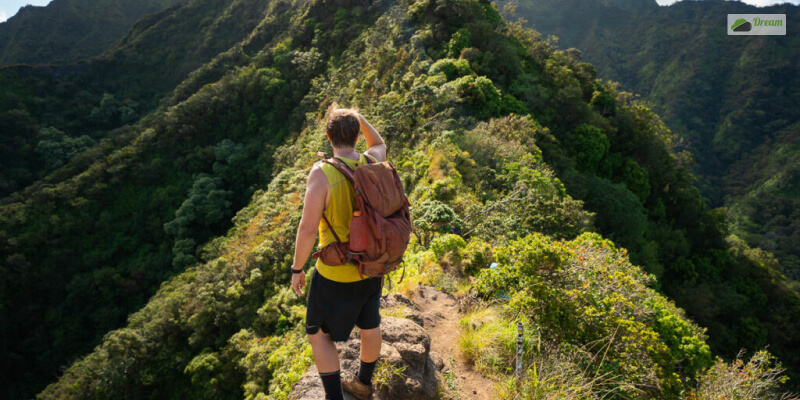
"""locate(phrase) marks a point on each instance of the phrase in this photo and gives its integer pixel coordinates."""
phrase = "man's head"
(343, 127)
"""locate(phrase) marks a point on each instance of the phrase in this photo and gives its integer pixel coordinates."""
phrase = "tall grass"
(550, 371)
(758, 378)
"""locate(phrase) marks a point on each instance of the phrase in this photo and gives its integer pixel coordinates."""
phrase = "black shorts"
(336, 306)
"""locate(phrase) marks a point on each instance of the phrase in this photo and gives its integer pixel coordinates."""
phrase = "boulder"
(405, 350)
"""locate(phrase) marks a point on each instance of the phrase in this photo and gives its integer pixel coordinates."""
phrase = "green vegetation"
(386, 373)
(585, 294)
(449, 386)
(759, 378)
(101, 98)
(511, 142)
(733, 103)
(87, 245)
(488, 341)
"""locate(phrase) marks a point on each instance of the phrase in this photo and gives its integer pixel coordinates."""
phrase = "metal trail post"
(519, 352)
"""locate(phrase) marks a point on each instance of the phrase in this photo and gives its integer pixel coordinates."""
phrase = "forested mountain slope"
(475, 112)
(66, 31)
(733, 100)
(110, 237)
(48, 114)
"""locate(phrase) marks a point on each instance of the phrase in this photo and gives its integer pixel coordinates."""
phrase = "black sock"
(332, 382)
(365, 372)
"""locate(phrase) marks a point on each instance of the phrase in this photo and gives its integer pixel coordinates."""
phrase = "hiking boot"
(351, 384)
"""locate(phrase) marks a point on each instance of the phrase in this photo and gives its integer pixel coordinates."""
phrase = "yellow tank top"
(339, 212)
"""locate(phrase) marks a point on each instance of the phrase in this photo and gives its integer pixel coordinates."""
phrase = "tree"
(56, 148)
(206, 205)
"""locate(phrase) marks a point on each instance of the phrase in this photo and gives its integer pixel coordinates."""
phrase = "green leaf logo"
(741, 25)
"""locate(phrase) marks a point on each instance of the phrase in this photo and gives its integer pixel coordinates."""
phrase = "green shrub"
(432, 216)
(451, 68)
(443, 244)
(589, 144)
(477, 255)
(586, 292)
(480, 94)
(459, 42)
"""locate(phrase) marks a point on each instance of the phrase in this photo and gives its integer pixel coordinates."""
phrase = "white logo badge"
(756, 24)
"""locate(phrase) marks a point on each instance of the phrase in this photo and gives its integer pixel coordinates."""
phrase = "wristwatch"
(296, 271)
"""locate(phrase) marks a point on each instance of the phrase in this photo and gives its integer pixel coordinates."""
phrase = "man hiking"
(339, 297)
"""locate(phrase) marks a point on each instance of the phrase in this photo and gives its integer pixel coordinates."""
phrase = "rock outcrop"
(411, 371)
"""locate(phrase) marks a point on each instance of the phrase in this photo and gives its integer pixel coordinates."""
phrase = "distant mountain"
(66, 31)
(734, 100)
(86, 101)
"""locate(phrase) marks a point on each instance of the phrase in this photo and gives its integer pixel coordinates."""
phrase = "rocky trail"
(440, 313)
(420, 349)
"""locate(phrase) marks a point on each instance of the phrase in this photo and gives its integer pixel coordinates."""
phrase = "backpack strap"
(338, 241)
(336, 164)
(330, 227)
(341, 167)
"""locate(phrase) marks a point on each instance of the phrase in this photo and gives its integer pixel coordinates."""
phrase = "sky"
(758, 3)
(10, 7)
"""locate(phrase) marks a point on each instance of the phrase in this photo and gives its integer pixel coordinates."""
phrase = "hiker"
(339, 297)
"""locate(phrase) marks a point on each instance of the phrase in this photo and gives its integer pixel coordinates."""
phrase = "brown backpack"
(381, 224)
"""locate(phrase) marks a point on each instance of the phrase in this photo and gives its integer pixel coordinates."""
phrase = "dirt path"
(441, 315)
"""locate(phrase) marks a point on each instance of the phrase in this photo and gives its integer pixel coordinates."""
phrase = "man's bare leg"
(371, 340)
(326, 357)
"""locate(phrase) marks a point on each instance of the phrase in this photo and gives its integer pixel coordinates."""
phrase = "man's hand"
(375, 144)
(298, 283)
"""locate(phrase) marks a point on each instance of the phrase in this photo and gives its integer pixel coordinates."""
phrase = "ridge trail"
(440, 314)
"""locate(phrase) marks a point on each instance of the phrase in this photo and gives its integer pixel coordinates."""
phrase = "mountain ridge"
(131, 73)
(69, 30)
(729, 99)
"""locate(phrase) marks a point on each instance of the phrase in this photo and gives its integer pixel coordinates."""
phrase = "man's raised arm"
(375, 143)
